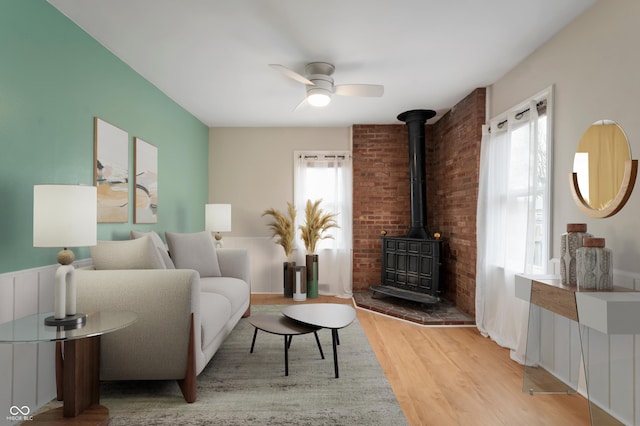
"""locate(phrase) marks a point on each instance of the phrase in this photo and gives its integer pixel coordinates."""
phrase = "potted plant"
(283, 229)
(317, 223)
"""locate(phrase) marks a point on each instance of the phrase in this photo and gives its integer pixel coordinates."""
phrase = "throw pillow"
(194, 251)
(157, 241)
(140, 253)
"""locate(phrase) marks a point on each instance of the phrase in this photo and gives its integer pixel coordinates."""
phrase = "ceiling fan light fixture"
(320, 87)
(318, 98)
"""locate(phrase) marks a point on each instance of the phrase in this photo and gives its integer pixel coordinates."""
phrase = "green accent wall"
(54, 79)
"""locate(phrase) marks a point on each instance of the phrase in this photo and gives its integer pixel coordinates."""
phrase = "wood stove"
(411, 264)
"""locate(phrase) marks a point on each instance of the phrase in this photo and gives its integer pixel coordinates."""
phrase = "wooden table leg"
(81, 375)
(78, 381)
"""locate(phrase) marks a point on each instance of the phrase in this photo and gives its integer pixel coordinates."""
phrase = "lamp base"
(69, 322)
(218, 240)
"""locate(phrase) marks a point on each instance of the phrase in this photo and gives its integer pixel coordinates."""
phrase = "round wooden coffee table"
(282, 326)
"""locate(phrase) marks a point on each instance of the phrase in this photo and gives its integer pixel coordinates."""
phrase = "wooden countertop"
(548, 292)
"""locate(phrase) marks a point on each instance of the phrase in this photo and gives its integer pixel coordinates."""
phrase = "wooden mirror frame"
(628, 182)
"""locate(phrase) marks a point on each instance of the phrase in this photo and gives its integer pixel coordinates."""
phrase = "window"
(514, 216)
(528, 151)
(516, 179)
(328, 176)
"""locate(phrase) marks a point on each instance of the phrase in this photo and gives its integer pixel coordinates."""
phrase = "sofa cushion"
(234, 289)
(140, 253)
(194, 251)
(157, 241)
(215, 311)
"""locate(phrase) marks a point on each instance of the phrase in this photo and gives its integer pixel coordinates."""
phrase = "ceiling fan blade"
(302, 106)
(291, 74)
(366, 90)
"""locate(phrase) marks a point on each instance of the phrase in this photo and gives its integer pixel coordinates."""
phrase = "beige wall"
(594, 66)
(252, 169)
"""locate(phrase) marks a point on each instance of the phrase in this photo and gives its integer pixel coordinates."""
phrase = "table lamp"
(65, 216)
(218, 219)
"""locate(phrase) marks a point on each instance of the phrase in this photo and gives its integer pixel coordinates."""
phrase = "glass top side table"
(78, 372)
(31, 329)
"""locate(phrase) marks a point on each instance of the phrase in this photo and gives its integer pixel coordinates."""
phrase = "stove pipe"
(415, 121)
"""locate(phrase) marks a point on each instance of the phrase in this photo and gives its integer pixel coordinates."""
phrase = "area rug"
(242, 388)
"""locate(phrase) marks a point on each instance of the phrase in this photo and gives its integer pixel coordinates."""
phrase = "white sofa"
(184, 314)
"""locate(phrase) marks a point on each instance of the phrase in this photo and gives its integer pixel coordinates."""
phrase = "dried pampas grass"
(283, 228)
(317, 224)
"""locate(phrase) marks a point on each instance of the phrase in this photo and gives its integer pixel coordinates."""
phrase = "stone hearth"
(442, 313)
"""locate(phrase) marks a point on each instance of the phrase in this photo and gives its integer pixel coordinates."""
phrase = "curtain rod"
(519, 115)
(315, 157)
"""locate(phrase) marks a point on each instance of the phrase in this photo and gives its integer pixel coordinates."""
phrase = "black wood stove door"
(411, 264)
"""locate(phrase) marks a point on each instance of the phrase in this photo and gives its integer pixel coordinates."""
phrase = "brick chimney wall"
(454, 160)
(381, 194)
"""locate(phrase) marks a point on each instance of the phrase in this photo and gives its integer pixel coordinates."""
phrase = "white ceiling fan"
(320, 87)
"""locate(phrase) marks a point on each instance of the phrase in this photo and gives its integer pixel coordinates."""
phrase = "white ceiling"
(212, 56)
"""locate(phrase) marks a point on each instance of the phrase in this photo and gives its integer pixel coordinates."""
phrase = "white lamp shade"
(218, 217)
(64, 216)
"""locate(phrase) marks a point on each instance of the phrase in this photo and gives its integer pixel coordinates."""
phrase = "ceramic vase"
(594, 263)
(569, 243)
(289, 274)
(312, 276)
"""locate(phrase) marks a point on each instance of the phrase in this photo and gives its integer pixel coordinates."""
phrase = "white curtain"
(327, 176)
(512, 192)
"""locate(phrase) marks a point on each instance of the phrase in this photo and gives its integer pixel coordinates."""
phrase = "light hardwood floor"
(454, 376)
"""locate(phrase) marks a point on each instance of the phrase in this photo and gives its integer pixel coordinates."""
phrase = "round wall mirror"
(603, 172)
